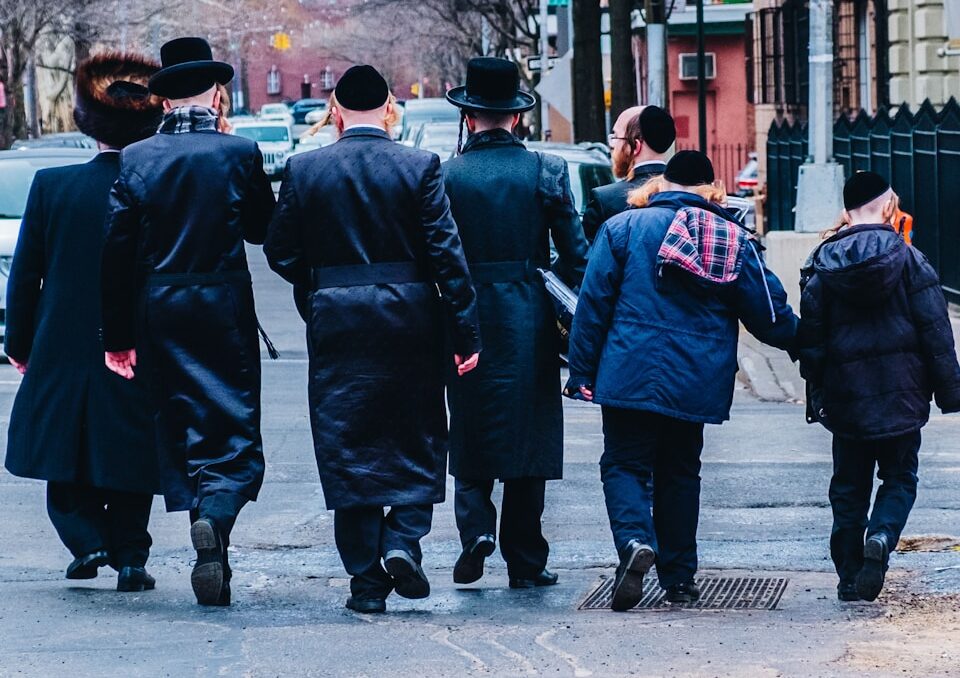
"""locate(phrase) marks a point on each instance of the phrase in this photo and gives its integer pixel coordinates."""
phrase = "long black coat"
(876, 337)
(366, 225)
(73, 420)
(610, 200)
(176, 286)
(506, 419)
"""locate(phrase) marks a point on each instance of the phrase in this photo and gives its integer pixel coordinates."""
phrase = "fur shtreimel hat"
(113, 104)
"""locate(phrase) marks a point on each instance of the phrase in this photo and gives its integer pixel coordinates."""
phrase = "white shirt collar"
(365, 126)
(649, 162)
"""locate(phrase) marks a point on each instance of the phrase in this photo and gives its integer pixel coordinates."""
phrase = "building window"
(778, 61)
(274, 84)
(326, 79)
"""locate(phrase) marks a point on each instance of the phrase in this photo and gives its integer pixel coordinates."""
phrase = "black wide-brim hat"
(492, 85)
(188, 69)
(112, 103)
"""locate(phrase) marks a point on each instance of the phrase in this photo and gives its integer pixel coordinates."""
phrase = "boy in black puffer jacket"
(876, 345)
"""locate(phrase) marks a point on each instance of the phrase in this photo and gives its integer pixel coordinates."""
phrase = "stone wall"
(917, 30)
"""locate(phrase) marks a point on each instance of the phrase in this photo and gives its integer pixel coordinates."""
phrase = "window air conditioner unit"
(688, 66)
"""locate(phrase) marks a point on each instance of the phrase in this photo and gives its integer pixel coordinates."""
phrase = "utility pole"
(701, 81)
(589, 123)
(544, 67)
(820, 188)
(655, 16)
(623, 82)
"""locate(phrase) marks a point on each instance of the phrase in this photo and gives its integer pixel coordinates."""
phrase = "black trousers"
(650, 470)
(91, 519)
(521, 538)
(854, 463)
(365, 534)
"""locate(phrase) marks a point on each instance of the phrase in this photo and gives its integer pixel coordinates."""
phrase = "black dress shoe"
(85, 567)
(685, 592)
(636, 561)
(847, 592)
(871, 575)
(135, 579)
(469, 566)
(366, 605)
(545, 578)
(409, 580)
(208, 577)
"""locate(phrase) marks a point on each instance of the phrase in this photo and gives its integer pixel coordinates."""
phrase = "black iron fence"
(919, 153)
(727, 159)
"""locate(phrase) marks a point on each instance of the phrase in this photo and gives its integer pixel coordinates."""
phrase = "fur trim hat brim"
(113, 104)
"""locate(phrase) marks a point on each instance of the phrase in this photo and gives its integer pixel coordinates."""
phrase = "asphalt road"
(764, 511)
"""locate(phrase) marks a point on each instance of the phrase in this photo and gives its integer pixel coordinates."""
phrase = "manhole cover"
(716, 593)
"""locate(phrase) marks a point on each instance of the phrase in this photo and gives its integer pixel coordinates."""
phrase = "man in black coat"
(506, 419)
(75, 424)
(641, 136)
(877, 344)
(176, 286)
(363, 231)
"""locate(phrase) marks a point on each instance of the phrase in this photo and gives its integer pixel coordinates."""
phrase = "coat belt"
(189, 279)
(368, 274)
(503, 271)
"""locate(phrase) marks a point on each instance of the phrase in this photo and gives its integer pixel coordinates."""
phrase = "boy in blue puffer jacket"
(654, 341)
(875, 345)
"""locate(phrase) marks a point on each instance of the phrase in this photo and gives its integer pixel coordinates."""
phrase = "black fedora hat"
(492, 85)
(188, 69)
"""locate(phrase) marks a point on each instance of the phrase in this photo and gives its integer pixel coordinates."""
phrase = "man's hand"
(121, 362)
(586, 393)
(21, 367)
(464, 366)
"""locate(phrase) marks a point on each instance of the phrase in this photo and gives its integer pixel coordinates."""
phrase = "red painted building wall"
(729, 114)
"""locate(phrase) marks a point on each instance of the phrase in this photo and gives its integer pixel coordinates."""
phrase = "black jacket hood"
(862, 264)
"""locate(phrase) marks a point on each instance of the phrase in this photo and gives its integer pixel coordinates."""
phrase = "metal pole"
(656, 21)
(821, 80)
(544, 66)
(701, 81)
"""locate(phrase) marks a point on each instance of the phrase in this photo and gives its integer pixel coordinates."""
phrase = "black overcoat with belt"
(176, 286)
(73, 420)
(506, 419)
(363, 231)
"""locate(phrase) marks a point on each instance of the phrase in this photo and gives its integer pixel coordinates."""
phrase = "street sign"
(535, 63)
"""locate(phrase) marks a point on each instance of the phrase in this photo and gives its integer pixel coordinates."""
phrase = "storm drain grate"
(716, 593)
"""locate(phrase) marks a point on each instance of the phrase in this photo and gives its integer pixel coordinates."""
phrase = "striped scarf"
(189, 119)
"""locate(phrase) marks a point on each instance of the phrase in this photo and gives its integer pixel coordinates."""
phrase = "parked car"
(304, 106)
(748, 177)
(59, 140)
(315, 116)
(276, 112)
(422, 111)
(275, 139)
(323, 137)
(589, 168)
(438, 137)
(17, 169)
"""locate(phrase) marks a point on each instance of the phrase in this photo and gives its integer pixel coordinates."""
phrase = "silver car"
(17, 169)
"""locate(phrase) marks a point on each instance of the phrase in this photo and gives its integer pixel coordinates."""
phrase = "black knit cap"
(658, 129)
(689, 168)
(362, 88)
(863, 187)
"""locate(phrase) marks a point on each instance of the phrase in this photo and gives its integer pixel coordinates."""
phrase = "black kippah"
(689, 168)
(657, 128)
(362, 88)
(863, 187)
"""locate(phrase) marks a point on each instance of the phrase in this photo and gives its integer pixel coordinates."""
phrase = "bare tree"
(589, 111)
